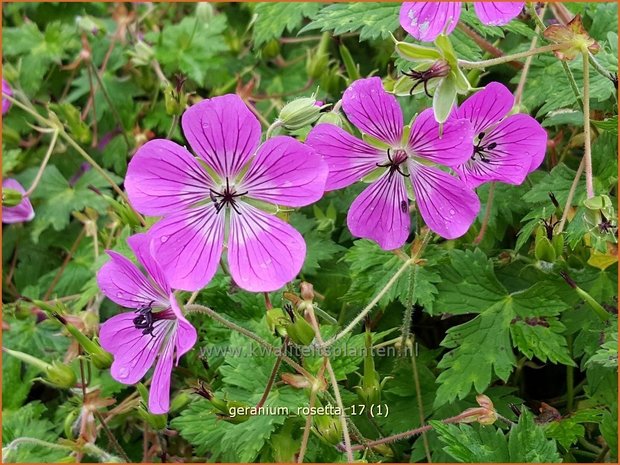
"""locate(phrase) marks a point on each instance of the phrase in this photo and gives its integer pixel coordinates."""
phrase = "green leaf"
(568, 429)
(608, 124)
(372, 20)
(607, 355)
(272, 19)
(526, 443)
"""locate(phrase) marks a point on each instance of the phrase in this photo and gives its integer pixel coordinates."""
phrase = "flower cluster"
(425, 21)
(222, 202)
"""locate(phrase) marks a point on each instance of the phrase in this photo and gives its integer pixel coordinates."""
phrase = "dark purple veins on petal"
(226, 196)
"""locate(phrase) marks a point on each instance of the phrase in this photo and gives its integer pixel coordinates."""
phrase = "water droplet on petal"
(119, 294)
(164, 239)
(123, 372)
(452, 212)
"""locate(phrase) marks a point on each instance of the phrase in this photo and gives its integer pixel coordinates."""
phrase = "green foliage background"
(488, 318)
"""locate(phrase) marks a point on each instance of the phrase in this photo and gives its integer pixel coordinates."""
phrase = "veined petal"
(498, 13)
(449, 145)
(381, 212)
(446, 204)
(163, 177)
(426, 20)
(285, 172)
(223, 131)
(264, 252)
(348, 158)
(123, 283)
(140, 244)
(134, 352)
(185, 334)
(19, 213)
(159, 393)
(188, 246)
(520, 145)
(375, 112)
(486, 107)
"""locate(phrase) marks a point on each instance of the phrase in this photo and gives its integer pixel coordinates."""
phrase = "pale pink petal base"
(381, 212)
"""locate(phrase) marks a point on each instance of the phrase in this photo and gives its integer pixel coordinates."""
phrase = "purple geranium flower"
(219, 197)
(6, 89)
(507, 148)
(381, 212)
(156, 330)
(427, 20)
(19, 213)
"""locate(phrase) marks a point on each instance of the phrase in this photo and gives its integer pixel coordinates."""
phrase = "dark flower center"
(227, 196)
(438, 70)
(605, 226)
(481, 151)
(395, 159)
(145, 319)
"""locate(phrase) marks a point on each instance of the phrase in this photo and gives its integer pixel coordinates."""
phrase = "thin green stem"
(586, 126)
(111, 436)
(598, 67)
(506, 58)
(570, 378)
(418, 394)
(334, 383)
(370, 306)
(272, 376)
(39, 175)
(250, 335)
(571, 194)
(175, 120)
(406, 326)
(487, 215)
(113, 108)
(275, 125)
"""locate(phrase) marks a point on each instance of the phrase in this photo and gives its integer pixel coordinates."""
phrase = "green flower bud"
(331, 117)
(369, 392)
(157, 422)
(11, 197)
(100, 358)
(142, 54)
(55, 374)
(205, 11)
(591, 301)
(277, 320)
(543, 248)
(300, 331)
(271, 49)
(328, 428)
(299, 113)
(175, 100)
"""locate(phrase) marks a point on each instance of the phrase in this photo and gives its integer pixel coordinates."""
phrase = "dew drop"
(452, 212)
(164, 239)
(119, 294)
(123, 372)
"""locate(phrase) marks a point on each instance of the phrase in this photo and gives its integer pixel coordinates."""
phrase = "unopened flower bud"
(55, 374)
(307, 291)
(100, 358)
(277, 320)
(205, 11)
(328, 427)
(175, 100)
(300, 331)
(11, 197)
(299, 113)
(331, 117)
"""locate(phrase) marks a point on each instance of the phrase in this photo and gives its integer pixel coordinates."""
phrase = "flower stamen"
(395, 161)
(145, 319)
(226, 197)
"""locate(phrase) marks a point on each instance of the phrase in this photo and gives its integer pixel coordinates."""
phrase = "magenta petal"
(185, 334)
(446, 204)
(141, 246)
(520, 148)
(449, 145)
(381, 212)
(285, 172)
(348, 158)
(426, 20)
(497, 13)
(163, 176)
(134, 352)
(188, 246)
(19, 213)
(122, 282)
(375, 112)
(264, 252)
(159, 393)
(6, 104)
(486, 107)
(223, 131)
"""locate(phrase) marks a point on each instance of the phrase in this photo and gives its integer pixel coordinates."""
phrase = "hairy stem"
(406, 326)
(249, 334)
(586, 126)
(272, 376)
(39, 175)
(370, 306)
(485, 44)
(418, 394)
(334, 382)
(506, 58)
(571, 194)
(487, 215)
